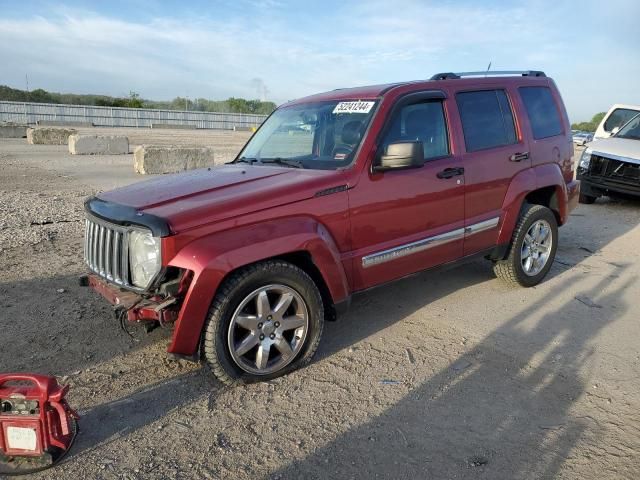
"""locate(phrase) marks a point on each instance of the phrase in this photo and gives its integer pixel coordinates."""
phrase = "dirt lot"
(448, 375)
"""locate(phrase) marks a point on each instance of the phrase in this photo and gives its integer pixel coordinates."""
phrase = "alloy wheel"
(536, 247)
(268, 329)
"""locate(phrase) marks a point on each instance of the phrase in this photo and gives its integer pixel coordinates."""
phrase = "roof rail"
(524, 73)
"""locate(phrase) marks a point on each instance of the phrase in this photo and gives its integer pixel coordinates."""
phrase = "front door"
(405, 221)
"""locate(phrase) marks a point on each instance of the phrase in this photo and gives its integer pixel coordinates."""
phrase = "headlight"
(585, 159)
(144, 257)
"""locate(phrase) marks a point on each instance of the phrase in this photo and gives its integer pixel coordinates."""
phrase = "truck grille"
(616, 170)
(106, 251)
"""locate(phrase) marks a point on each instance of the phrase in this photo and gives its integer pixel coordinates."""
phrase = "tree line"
(589, 126)
(230, 105)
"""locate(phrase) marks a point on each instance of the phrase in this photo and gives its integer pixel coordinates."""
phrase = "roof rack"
(524, 73)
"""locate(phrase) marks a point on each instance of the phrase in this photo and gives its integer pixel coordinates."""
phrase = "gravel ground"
(448, 375)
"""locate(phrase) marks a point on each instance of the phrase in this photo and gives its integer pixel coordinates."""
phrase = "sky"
(279, 50)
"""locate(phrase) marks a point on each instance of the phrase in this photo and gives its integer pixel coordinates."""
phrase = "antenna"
(488, 68)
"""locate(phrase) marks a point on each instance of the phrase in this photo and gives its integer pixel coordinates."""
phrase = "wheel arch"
(304, 261)
(541, 185)
(547, 197)
(300, 241)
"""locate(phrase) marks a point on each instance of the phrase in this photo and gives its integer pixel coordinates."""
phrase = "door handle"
(450, 172)
(518, 157)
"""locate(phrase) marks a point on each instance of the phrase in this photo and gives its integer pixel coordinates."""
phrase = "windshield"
(631, 129)
(323, 135)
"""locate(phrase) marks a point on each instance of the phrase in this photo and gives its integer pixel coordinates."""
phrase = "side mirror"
(400, 155)
(615, 130)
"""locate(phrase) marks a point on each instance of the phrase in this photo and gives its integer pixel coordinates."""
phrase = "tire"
(513, 270)
(240, 318)
(586, 199)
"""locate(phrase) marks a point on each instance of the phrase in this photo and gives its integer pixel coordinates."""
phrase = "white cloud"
(349, 44)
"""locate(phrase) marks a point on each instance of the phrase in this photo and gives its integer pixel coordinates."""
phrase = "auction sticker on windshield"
(353, 107)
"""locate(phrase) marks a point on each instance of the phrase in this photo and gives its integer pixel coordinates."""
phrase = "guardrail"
(30, 113)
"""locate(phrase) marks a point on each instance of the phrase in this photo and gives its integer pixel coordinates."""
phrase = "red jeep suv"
(337, 193)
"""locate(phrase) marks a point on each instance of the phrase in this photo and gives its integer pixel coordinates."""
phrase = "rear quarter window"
(487, 120)
(542, 111)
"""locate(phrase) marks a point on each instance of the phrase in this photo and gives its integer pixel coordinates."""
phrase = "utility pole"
(26, 79)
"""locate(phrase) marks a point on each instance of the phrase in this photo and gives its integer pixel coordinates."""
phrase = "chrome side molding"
(482, 226)
(427, 243)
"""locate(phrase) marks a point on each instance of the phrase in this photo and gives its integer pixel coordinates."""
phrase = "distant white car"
(582, 138)
(615, 118)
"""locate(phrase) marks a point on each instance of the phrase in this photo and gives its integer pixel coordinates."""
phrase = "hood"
(624, 149)
(198, 197)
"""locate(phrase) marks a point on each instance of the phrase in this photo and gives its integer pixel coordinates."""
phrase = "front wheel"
(265, 321)
(586, 199)
(533, 248)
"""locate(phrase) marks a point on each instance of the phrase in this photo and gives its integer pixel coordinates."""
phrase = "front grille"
(106, 251)
(616, 170)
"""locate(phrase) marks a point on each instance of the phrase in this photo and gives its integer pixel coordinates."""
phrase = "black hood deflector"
(126, 216)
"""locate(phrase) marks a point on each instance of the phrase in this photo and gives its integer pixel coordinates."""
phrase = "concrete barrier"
(13, 131)
(150, 159)
(98, 145)
(238, 128)
(49, 136)
(173, 126)
(63, 123)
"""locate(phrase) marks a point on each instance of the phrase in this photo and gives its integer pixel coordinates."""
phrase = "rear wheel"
(265, 321)
(533, 248)
(586, 199)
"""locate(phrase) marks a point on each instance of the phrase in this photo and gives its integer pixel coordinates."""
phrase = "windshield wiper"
(283, 161)
(245, 160)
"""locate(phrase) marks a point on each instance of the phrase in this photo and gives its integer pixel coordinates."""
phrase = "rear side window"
(487, 120)
(619, 117)
(542, 111)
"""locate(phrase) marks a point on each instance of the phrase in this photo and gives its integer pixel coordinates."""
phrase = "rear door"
(550, 138)
(494, 152)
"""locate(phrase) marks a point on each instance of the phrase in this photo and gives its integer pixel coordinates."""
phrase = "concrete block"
(150, 159)
(13, 131)
(49, 136)
(98, 145)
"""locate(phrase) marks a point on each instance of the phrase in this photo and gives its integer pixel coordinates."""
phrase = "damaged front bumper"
(155, 310)
(609, 175)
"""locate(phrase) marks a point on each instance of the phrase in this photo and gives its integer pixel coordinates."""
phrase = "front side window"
(422, 122)
(542, 111)
(487, 120)
(323, 135)
(619, 117)
(631, 129)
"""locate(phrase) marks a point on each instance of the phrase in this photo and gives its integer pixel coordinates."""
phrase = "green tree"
(231, 105)
(41, 96)
(589, 126)
(597, 118)
(134, 100)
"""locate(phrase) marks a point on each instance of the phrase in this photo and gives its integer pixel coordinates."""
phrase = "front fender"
(213, 257)
(525, 182)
